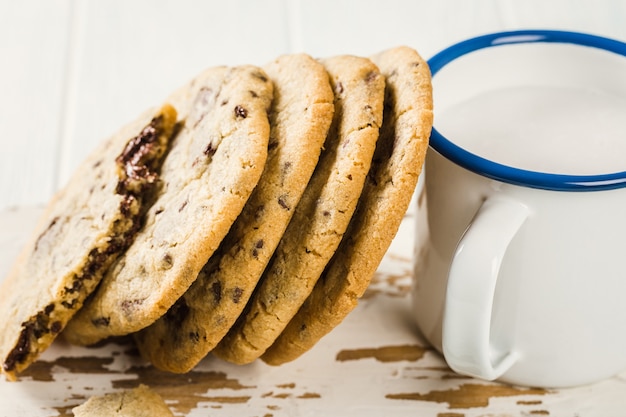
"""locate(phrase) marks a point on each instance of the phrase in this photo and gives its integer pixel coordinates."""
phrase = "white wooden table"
(73, 71)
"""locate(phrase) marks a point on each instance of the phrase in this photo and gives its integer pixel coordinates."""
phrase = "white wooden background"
(73, 71)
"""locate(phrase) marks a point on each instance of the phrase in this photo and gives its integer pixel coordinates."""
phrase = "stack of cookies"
(244, 217)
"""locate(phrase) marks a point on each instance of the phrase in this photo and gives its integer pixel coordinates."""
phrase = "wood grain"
(33, 49)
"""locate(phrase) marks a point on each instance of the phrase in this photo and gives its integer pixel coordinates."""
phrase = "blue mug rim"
(505, 173)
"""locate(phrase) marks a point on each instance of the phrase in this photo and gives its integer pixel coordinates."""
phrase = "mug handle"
(471, 287)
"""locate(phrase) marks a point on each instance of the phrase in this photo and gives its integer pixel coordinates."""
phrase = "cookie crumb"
(140, 401)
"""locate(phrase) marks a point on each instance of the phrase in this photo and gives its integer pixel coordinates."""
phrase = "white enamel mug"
(520, 275)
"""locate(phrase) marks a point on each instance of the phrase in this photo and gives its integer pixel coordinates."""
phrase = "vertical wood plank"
(33, 51)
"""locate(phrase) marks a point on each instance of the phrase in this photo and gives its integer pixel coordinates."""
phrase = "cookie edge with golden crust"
(338, 291)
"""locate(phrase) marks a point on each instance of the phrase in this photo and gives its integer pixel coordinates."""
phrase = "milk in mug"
(558, 130)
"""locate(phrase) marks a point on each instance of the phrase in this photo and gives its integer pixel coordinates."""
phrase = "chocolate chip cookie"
(322, 215)
(214, 164)
(84, 228)
(386, 195)
(300, 117)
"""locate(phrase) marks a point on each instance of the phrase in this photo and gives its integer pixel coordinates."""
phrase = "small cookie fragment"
(321, 216)
(392, 179)
(300, 117)
(84, 228)
(214, 164)
(138, 402)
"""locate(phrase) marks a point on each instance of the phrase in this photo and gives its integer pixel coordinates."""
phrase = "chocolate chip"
(216, 289)
(237, 293)
(77, 285)
(135, 160)
(101, 321)
(126, 205)
(286, 167)
(56, 327)
(253, 93)
(283, 203)
(241, 112)
(182, 206)
(257, 246)
(19, 353)
(166, 261)
(210, 150)
(34, 328)
(95, 261)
